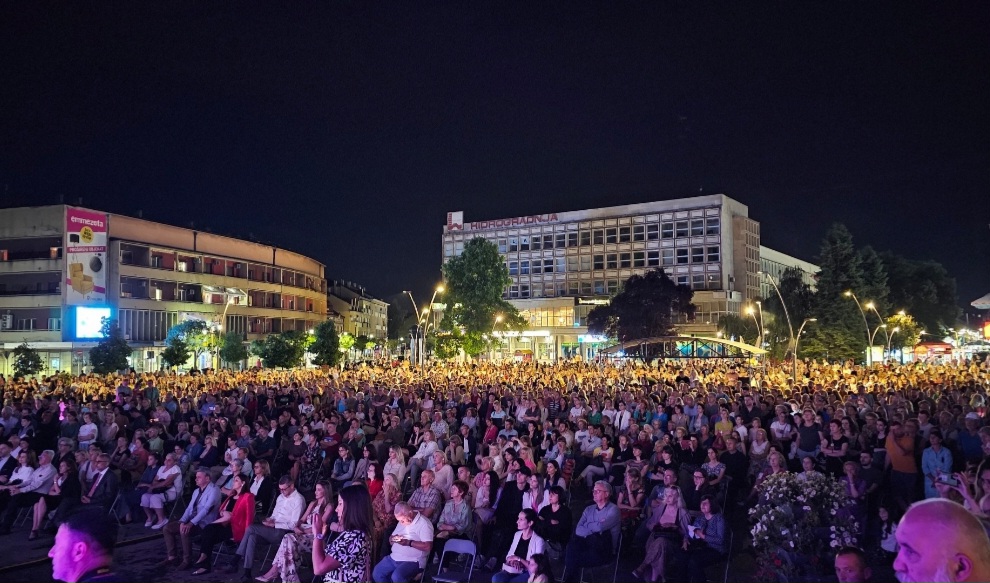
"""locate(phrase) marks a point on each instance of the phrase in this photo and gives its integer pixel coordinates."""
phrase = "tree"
(285, 350)
(736, 327)
(874, 286)
(840, 333)
(111, 353)
(922, 289)
(326, 345)
(27, 361)
(346, 342)
(176, 352)
(475, 281)
(644, 308)
(232, 349)
(197, 334)
(903, 329)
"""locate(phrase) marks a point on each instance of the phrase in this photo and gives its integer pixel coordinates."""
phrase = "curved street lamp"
(787, 314)
(869, 349)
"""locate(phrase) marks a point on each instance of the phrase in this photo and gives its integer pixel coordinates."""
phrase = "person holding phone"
(936, 464)
(411, 542)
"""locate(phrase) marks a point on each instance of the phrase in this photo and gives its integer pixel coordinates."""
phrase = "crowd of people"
(371, 471)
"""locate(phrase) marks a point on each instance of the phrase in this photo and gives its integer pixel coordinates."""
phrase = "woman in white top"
(88, 431)
(22, 473)
(396, 464)
(525, 544)
(164, 487)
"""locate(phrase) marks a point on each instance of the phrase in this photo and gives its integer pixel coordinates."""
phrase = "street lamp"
(776, 288)
(759, 329)
(797, 341)
(869, 349)
(890, 338)
(872, 306)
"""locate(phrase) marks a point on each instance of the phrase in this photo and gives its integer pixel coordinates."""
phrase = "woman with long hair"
(383, 507)
(396, 463)
(295, 544)
(525, 544)
(236, 514)
(347, 558)
(64, 495)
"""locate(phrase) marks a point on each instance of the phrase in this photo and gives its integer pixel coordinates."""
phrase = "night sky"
(346, 130)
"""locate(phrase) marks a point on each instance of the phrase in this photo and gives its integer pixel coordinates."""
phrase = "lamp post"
(763, 326)
(797, 341)
(415, 334)
(872, 306)
(787, 314)
(759, 329)
(890, 338)
(869, 351)
(498, 318)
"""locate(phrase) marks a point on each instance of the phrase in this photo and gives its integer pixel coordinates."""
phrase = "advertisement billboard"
(85, 257)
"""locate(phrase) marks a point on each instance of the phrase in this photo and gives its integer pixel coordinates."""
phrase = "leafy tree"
(874, 286)
(475, 281)
(734, 326)
(232, 349)
(346, 342)
(27, 361)
(176, 352)
(401, 316)
(285, 350)
(197, 334)
(111, 353)
(922, 289)
(326, 345)
(904, 330)
(840, 334)
(644, 308)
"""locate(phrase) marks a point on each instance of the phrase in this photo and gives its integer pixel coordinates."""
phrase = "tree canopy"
(645, 307)
(198, 336)
(285, 350)
(232, 348)
(27, 361)
(326, 344)
(176, 352)
(475, 281)
(111, 353)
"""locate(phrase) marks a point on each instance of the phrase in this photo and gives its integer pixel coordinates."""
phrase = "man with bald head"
(941, 541)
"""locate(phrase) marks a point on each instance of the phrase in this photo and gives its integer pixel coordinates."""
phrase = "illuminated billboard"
(89, 321)
(86, 257)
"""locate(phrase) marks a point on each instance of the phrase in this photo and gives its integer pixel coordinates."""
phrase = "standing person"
(411, 541)
(83, 549)
(236, 513)
(851, 566)
(348, 558)
(935, 460)
(288, 508)
(300, 541)
(525, 544)
(903, 467)
(204, 507)
(597, 531)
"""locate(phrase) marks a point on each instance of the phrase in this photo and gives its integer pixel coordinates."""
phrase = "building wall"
(199, 275)
(775, 263)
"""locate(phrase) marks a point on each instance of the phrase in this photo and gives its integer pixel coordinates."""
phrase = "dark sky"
(346, 130)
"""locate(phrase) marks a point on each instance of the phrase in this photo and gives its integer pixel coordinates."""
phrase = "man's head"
(202, 477)
(669, 477)
(84, 542)
(4, 450)
(426, 478)
(850, 565)
(46, 457)
(941, 541)
(404, 513)
(601, 492)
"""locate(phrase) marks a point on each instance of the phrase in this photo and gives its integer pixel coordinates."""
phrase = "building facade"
(63, 268)
(362, 314)
(564, 264)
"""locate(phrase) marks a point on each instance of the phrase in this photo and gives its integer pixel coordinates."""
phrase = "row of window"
(698, 281)
(626, 260)
(611, 235)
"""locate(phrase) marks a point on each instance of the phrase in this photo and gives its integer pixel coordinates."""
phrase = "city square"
(462, 292)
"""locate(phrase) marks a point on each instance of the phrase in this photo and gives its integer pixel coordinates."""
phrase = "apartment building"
(362, 314)
(64, 268)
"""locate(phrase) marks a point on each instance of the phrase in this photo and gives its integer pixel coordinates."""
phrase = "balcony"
(30, 266)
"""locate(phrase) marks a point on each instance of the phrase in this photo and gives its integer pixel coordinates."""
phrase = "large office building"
(564, 264)
(64, 268)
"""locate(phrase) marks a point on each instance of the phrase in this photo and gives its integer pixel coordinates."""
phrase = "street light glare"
(440, 289)
(869, 305)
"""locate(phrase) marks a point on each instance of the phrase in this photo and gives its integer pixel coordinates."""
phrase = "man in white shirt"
(411, 540)
(288, 508)
(28, 493)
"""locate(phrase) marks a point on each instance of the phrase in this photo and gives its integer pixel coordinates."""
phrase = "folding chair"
(22, 515)
(114, 509)
(225, 544)
(615, 570)
(456, 546)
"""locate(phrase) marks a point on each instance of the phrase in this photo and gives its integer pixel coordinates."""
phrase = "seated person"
(597, 532)
(411, 542)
